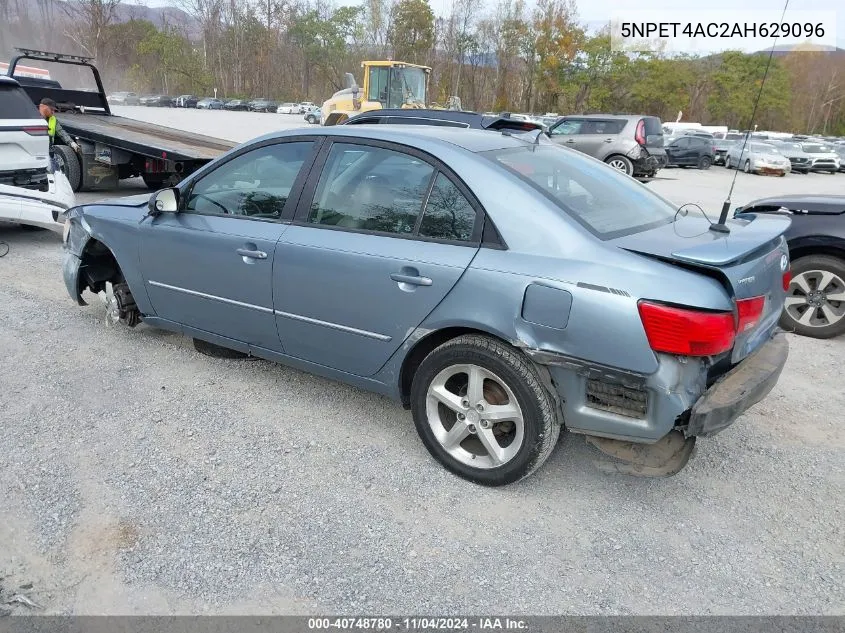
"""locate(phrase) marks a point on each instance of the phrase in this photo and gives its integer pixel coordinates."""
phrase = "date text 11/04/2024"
(722, 29)
(417, 624)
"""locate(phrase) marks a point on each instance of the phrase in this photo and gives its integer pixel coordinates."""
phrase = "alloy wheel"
(816, 299)
(475, 416)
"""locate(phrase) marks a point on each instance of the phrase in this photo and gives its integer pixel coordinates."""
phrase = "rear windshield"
(653, 126)
(16, 104)
(605, 201)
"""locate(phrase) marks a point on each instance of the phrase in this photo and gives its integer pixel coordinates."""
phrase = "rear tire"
(503, 378)
(621, 163)
(704, 162)
(155, 182)
(810, 270)
(69, 164)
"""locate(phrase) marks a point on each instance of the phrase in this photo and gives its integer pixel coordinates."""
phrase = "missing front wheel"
(120, 305)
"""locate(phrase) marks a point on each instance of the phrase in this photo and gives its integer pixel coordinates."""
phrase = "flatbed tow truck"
(112, 147)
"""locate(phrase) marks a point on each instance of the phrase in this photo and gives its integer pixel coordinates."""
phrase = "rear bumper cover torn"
(739, 389)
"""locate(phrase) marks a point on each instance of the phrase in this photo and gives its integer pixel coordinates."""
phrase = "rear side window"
(603, 127)
(370, 189)
(16, 104)
(448, 214)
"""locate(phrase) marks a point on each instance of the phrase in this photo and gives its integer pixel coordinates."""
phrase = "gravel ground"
(139, 476)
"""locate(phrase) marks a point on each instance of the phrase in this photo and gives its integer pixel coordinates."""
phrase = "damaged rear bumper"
(739, 389)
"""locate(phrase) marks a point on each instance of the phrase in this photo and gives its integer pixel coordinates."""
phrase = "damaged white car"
(32, 192)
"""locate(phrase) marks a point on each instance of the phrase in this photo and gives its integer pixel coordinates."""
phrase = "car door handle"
(410, 279)
(570, 141)
(608, 140)
(245, 252)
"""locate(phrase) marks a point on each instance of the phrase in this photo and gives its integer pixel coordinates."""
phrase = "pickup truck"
(112, 147)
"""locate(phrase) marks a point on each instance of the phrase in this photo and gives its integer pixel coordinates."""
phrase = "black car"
(236, 104)
(450, 118)
(691, 151)
(262, 105)
(815, 303)
(158, 101)
(187, 101)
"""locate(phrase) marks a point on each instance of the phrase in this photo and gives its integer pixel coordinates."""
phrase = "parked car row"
(210, 103)
(783, 157)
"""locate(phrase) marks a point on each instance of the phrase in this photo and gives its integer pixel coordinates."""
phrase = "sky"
(597, 13)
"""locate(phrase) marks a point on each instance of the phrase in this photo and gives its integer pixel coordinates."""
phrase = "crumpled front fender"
(77, 239)
(70, 272)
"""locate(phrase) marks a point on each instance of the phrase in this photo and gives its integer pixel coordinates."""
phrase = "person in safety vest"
(47, 108)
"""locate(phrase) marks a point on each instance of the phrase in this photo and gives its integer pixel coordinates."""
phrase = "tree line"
(502, 57)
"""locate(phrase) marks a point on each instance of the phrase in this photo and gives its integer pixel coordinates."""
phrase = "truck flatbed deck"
(147, 139)
(109, 148)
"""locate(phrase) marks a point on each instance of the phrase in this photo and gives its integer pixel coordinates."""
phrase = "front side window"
(567, 128)
(606, 202)
(370, 189)
(255, 184)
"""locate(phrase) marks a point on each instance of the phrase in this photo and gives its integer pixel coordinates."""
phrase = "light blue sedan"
(502, 288)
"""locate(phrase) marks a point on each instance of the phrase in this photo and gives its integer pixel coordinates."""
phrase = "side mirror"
(164, 201)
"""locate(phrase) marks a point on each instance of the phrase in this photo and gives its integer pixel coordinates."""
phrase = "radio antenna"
(720, 226)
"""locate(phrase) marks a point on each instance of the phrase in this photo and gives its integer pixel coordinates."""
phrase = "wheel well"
(803, 251)
(423, 348)
(99, 266)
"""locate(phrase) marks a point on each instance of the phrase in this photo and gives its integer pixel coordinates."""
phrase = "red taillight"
(640, 135)
(36, 131)
(749, 312)
(787, 279)
(687, 332)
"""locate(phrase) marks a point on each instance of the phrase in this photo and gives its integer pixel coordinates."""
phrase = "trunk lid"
(750, 261)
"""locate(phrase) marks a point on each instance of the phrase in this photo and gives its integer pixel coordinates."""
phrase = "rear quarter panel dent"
(602, 328)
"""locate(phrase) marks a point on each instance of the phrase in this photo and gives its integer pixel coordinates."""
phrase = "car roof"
(830, 204)
(9, 81)
(471, 119)
(628, 117)
(472, 140)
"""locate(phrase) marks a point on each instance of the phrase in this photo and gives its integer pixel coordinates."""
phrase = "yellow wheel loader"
(387, 84)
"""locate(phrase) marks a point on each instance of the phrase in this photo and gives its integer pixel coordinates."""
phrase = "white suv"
(30, 193)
